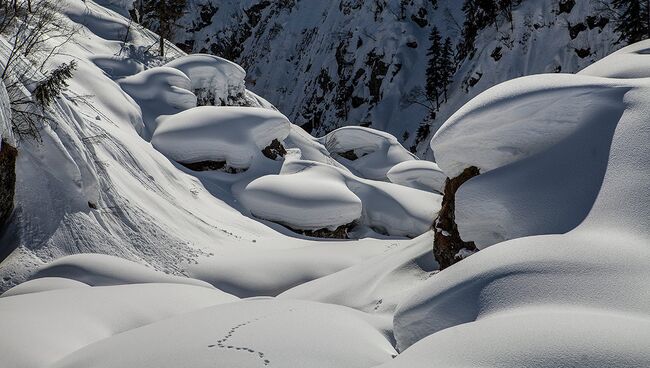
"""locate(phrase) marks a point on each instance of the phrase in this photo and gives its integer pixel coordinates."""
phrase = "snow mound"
(592, 270)
(418, 174)
(213, 78)
(104, 270)
(251, 333)
(369, 153)
(232, 134)
(542, 145)
(385, 207)
(522, 117)
(628, 62)
(580, 156)
(43, 284)
(62, 321)
(159, 91)
(546, 337)
(307, 200)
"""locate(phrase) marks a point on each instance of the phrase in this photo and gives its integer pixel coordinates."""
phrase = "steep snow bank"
(418, 174)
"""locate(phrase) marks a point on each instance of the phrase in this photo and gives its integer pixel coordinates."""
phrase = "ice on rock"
(418, 174)
(369, 153)
(235, 135)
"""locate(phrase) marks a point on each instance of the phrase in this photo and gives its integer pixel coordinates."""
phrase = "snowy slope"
(97, 185)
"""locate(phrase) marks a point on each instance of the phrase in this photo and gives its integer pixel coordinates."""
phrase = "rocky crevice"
(448, 247)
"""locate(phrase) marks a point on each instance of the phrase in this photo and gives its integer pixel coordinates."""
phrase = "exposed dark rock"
(566, 6)
(211, 166)
(474, 79)
(496, 53)
(8, 156)
(447, 242)
(594, 21)
(574, 30)
(350, 155)
(583, 53)
(357, 101)
(420, 18)
(412, 44)
(274, 150)
(340, 232)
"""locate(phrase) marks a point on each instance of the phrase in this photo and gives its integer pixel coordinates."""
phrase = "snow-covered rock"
(232, 134)
(369, 153)
(293, 197)
(215, 81)
(578, 292)
(418, 174)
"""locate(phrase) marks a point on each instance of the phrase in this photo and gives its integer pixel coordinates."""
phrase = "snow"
(308, 200)
(232, 134)
(294, 198)
(62, 321)
(580, 288)
(628, 62)
(250, 333)
(377, 151)
(159, 91)
(418, 174)
(104, 270)
(219, 76)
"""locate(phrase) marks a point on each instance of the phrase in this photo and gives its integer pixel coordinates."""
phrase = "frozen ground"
(124, 254)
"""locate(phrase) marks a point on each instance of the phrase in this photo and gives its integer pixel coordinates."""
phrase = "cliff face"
(329, 64)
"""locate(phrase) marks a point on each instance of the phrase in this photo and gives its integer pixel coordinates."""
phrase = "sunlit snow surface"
(564, 181)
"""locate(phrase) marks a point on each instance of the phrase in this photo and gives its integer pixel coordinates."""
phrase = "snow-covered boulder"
(159, 91)
(542, 146)
(312, 199)
(232, 134)
(418, 174)
(215, 81)
(308, 195)
(574, 167)
(369, 153)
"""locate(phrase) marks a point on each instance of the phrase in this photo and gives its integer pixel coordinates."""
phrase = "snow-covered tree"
(162, 15)
(633, 19)
(434, 75)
